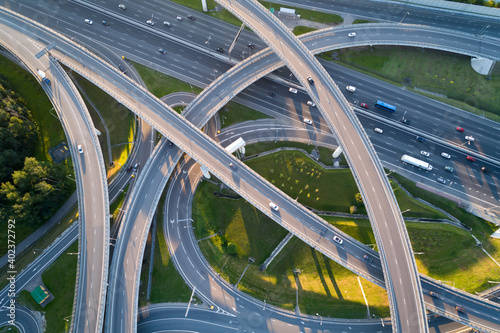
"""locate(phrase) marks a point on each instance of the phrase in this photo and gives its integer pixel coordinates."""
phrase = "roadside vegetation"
(32, 186)
(300, 30)
(224, 15)
(325, 154)
(446, 252)
(176, 290)
(436, 72)
(60, 280)
(235, 113)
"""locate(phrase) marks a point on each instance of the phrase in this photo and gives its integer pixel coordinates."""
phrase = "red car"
(364, 105)
(460, 129)
(470, 158)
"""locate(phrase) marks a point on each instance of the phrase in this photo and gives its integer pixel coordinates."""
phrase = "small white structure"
(337, 152)
(286, 12)
(239, 144)
(204, 5)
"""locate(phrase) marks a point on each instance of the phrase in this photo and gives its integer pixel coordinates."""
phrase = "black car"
(122, 69)
(485, 169)
(105, 22)
(272, 94)
(219, 49)
(310, 80)
(367, 257)
(250, 45)
(162, 51)
(421, 139)
(405, 121)
(233, 166)
(191, 17)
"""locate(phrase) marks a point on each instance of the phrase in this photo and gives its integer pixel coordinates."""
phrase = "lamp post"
(208, 41)
(320, 319)
(381, 320)
(404, 17)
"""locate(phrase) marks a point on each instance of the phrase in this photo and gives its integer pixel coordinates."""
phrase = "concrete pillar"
(206, 174)
(337, 152)
(204, 5)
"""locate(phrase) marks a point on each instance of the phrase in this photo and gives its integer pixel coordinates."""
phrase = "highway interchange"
(280, 206)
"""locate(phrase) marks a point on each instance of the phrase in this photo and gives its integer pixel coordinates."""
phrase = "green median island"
(446, 252)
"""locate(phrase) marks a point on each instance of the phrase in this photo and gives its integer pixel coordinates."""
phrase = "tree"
(231, 248)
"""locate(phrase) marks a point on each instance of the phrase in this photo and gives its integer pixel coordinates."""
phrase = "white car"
(150, 22)
(350, 88)
(378, 130)
(426, 154)
(89, 21)
(338, 239)
(308, 121)
(445, 155)
(351, 34)
(311, 104)
(122, 6)
(168, 24)
(274, 206)
(469, 138)
(179, 18)
(80, 149)
(292, 90)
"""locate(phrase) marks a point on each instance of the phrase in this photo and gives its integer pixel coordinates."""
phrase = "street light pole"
(320, 319)
(404, 17)
(381, 320)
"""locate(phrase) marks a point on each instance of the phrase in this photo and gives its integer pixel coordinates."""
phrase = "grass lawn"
(226, 16)
(300, 30)
(306, 14)
(120, 122)
(114, 208)
(176, 290)
(435, 71)
(60, 280)
(160, 84)
(417, 209)
(325, 154)
(480, 228)
(298, 176)
(324, 287)
(234, 113)
(450, 253)
(363, 21)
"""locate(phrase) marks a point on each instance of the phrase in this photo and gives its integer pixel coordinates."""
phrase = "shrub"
(231, 248)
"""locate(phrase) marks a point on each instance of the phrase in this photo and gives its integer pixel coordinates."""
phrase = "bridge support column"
(206, 174)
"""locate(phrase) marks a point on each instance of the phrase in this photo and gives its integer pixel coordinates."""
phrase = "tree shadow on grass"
(332, 277)
(320, 272)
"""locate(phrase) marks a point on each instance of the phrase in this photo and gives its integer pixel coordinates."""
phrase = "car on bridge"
(368, 258)
(311, 104)
(168, 24)
(338, 239)
(350, 88)
(191, 17)
(104, 22)
(150, 22)
(441, 180)
(308, 121)
(272, 94)
(379, 130)
(274, 206)
(122, 6)
(472, 159)
(80, 149)
(425, 153)
(434, 294)
(233, 166)
(310, 80)
(219, 49)
(162, 51)
(446, 155)
(448, 168)
(351, 34)
(460, 309)
(460, 129)
(292, 90)
(89, 21)
(364, 105)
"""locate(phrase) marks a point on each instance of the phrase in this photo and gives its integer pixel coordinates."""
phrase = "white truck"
(416, 162)
(44, 77)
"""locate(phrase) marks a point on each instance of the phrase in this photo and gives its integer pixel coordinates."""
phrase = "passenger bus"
(385, 106)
